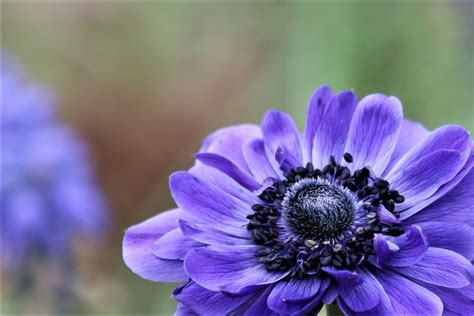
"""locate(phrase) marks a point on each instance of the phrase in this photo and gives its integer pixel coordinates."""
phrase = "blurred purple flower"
(363, 208)
(48, 191)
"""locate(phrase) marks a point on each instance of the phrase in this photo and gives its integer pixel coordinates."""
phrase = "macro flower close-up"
(364, 209)
(237, 158)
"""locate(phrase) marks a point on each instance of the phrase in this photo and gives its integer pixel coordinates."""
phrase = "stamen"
(315, 218)
(348, 157)
(316, 209)
(310, 243)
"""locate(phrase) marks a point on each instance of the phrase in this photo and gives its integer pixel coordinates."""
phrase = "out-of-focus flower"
(48, 192)
(363, 208)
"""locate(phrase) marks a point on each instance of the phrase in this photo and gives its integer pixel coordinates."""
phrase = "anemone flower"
(49, 194)
(364, 209)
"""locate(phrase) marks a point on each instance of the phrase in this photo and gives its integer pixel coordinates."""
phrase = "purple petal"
(210, 236)
(256, 158)
(230, 269)
(271, 156)
(448, 137)
(330, 295)
(222, 182)
(158, 225)
(299, 306)
(383, 250)
(455, 301)
(423, 178)
(174, 245)
(452, 202)
(332, 133)
(254, 289)
(279, 131)
(294, 290)
(209, 205)
(384, 307)
(468, 291)
(316, 304)
(411, 134)
(183, 310)
(228, 142)
(260, 306)
(412, 247)
(316, 106)
(407, 297)
(265, 185)
(344, 277)
(343, 307)
(155, 269)
(457, 237)
(364, 296)
(440, 267)
(374, 132)
(285, 159)
(385, 216)
(204, 302)
(138, 249)
(229, 168)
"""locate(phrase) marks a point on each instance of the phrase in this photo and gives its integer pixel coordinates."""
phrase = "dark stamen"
(318, 218)
(348, 157)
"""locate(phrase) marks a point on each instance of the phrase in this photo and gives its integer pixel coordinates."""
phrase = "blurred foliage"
(145, 82)
(421, 53)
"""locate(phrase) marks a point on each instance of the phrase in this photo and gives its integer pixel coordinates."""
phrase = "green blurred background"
(143, 83)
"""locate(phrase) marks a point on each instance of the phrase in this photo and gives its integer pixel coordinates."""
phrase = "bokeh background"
(143, 83)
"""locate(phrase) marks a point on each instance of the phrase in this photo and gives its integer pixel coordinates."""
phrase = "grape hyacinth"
(49, 194)
(363, 209)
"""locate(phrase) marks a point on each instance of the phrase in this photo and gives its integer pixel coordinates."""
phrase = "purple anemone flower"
(48, 192)
(364, 209)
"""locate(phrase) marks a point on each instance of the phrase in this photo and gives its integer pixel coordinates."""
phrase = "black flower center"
(314, 209)
(315, 218)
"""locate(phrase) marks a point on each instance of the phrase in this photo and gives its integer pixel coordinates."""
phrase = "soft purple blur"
(48, 190)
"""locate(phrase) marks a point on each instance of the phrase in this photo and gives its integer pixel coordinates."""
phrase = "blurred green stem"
(333, 310)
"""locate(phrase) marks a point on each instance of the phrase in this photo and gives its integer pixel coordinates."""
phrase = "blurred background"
(144, 83)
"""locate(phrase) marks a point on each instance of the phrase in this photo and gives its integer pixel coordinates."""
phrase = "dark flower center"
(315, 218)
(315, 209)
